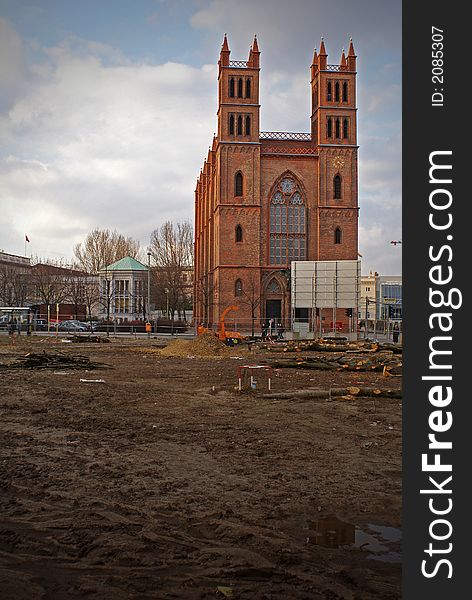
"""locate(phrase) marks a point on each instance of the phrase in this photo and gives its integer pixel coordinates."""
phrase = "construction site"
(187, 468)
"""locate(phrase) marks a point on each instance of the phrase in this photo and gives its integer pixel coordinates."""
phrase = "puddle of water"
(331, 532)
(368, 542)
(380, 541)
(391, 534)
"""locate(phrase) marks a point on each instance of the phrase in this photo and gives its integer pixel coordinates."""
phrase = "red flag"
(26, 238)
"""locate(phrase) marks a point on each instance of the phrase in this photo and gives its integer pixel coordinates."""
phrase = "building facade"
(368, 303)
(389, 297)
(265, 199)
(123, 291)
(381, 298)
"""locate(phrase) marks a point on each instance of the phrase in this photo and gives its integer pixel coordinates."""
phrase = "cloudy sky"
(107, 108)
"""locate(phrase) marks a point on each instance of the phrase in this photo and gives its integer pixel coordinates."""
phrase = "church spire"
(314, 64)
(254, 54)
(351, 57)
(323, 56)
(224, 54)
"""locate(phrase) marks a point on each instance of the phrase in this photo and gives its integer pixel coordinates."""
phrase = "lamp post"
(107, 289)
(148, 311)
(149, 287)
(367, 302)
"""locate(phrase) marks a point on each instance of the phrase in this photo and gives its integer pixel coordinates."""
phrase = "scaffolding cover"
(325, 284)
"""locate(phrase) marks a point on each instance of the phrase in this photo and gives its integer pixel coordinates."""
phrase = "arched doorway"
(274, 300)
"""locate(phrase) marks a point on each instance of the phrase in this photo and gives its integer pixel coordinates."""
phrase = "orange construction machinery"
(228, 337)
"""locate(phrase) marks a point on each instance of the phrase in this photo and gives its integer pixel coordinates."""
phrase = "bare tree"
(76, 290)
(50, 282)
(103, 247)
(251, 296)
(14, 285)
(171, 248)
(205, 296)
(91, 293)
(106, 294)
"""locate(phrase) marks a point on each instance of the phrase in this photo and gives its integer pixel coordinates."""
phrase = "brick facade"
(265, 198)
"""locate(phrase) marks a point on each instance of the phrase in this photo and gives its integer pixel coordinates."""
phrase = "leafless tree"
(205, 297)
(50, 282)
(106, 294)
(171, 248)
(91, 293)
(103, 247)
(75, 290)
(14, 285)
(251, 296)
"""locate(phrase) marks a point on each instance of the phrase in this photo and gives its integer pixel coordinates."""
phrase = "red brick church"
(264, 199)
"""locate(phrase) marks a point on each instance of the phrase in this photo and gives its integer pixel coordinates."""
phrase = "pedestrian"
(281, 330)
(18, 325)
(11, 330)
(264, 331)
(396, 333)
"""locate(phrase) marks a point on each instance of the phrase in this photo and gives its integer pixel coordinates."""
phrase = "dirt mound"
(202, 346)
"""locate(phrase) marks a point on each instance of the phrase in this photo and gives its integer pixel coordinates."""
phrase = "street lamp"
(368, 301)
(149, 287)
(107, 289)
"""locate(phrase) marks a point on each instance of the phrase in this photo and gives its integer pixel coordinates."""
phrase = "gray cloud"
(91, 138)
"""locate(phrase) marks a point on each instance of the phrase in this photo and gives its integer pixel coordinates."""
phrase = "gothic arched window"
(240, 88)
(337, 235)
(238, 288)
(240, 125)
(337, 187)
(231, 124)
(274, 287)
(287, 223)
(239, 233)
(248, 125)
(336, 91)
(248, 88)
(329, 96)
(345, 91)
(238, 184)
(329, 128)
(345, 129)
(231, 87)
(338, 129)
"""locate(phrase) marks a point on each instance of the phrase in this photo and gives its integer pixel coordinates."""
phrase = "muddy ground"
(155, 485)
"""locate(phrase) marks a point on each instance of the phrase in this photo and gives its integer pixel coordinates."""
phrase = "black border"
(427, 129)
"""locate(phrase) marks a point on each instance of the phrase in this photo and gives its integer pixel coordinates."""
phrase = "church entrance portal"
(274, 309)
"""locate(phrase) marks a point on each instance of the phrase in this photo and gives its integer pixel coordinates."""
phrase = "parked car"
(40, 325)
(71, 326)
(89, 326)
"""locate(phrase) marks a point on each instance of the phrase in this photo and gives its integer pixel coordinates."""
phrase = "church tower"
(237, 209)
(334, 131)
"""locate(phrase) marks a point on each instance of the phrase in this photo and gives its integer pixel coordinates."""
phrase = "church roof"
(127, 264)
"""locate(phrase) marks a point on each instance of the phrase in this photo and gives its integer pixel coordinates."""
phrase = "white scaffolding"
(328, 284)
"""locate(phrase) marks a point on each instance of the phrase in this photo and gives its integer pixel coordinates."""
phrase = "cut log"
(357, 392)
(391, 347)
(291, 364)
(335, 392)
